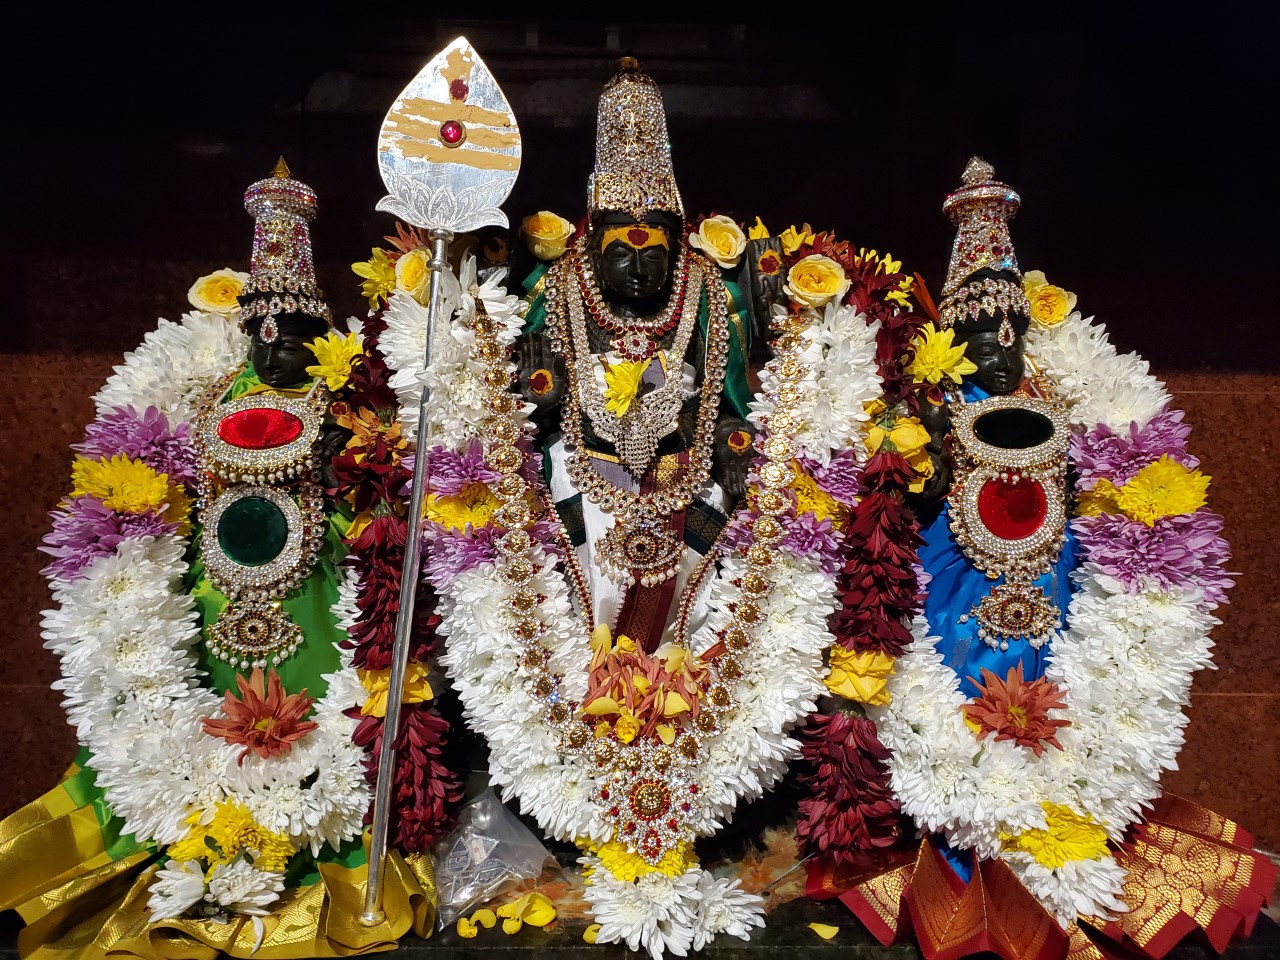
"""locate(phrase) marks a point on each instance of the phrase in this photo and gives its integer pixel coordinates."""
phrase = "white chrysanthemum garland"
(1124, 664)
(782, 670)
(125, 633)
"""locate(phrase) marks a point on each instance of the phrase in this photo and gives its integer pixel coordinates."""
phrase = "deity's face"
(1000, 368)
(631, 263)
(284, 361)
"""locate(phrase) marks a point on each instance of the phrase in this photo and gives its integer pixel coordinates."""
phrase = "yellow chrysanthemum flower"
(860, 676)
(630, 867)
(474, 505)
(622, 383)
(1101, 499)
(121, 483)
(936, 358)
(811, 498)
(1069, 836)
(793, 239)
(1162, 489)
(231, 831)
(179, 509)
(417, 688)
(336, 354)
(378, 275)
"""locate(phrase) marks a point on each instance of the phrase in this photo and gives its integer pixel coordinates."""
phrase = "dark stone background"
(1140, 156)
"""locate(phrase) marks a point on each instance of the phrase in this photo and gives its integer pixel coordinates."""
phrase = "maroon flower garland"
(850, 816)
(371, 474)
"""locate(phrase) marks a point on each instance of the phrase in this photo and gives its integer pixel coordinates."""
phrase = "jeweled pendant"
(645, 551)
(251, 633)
(1015, 610)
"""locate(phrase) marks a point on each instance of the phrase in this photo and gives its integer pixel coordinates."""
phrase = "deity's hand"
(543, 374)
(733, 452)
(333, 440)
(935, 419)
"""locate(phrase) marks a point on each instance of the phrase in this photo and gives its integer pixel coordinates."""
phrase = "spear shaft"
(385, 790)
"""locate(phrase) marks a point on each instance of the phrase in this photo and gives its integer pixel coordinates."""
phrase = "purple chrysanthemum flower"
(1182, 551)
(148, 438)
(87, 529)
(815, 539)
(450, 472)
(1102, 454)
(451, 553)
(840, 478)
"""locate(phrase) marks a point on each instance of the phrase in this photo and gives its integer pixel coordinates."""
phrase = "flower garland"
(232, 800)
(371, 474)
(751, 671)
(1049, 776)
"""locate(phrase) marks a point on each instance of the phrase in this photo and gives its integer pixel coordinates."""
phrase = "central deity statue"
(634, 355)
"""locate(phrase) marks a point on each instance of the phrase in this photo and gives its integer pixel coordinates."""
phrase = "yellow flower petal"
(466, 929)
(626, 644)
(591, 933)
(513, 908)
(825, 930)
(512, 925)
(666, 733)
(602, 707)
(758, 231)
(539, 912)
(485, 917)
(675, 704)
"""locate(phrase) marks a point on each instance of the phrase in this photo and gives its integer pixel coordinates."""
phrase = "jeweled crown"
(282, 273)
(633, 170)
(981, 210)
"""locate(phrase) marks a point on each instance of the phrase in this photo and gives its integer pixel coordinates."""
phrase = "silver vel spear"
(449, 154)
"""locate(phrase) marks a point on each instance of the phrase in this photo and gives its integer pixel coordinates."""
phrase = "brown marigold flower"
(1016, 710)
(264, 719)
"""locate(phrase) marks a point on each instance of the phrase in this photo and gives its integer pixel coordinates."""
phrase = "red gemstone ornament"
(458, 89)
(259, 429)
(1012, 511)
(452, 133)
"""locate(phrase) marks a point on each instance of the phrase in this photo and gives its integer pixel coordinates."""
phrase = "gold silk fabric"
(80, 904)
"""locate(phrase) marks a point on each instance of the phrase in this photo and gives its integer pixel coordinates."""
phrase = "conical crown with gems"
(981, 210)
(282, 273)
(633, 170)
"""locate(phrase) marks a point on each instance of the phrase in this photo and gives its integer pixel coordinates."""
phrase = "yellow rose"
(412, 274)
(217, 292)
(546, 234)
(860, 676)
(627, 728)
(1050, 305)
(720, 239)
(815, 281)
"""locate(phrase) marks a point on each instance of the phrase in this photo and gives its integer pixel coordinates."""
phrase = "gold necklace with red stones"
(634, 337)
(641, 544)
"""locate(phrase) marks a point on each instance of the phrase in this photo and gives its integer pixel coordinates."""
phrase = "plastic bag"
(489, 851)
